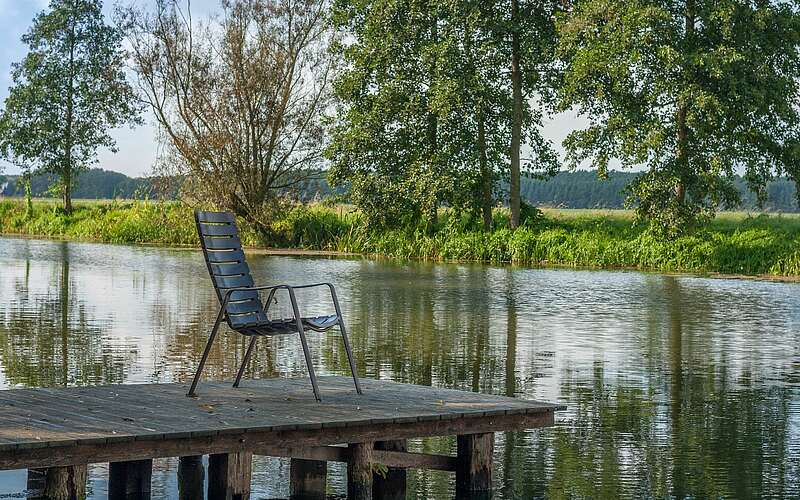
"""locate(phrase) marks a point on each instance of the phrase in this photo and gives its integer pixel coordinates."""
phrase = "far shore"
(300, 252)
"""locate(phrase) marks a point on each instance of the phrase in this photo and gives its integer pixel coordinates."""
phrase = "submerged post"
(308, 479)
(359, 471)
(130, 480)
(229, 476)
(191, 476)
(392, 486)
(474, 473)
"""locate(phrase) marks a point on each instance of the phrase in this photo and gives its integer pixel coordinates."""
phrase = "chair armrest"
(230, 291)
(292, 298)
(334, 298)
(329, 285)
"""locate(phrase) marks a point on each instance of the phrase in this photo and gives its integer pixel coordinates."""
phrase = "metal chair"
(240, 302)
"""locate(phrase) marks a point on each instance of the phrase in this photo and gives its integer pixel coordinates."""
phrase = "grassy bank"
(734, 243)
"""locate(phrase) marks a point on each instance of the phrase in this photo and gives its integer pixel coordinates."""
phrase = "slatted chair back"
(222, 249)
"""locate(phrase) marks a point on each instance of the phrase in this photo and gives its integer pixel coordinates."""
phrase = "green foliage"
(692, 90)
(732, 244)
(67, 92)
(425, 115)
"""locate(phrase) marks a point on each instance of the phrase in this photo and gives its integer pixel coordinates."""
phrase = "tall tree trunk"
(66, 178)
(486, 173)
(433, 126)
(682, 153)
(66, 169)
(516, 123)
(28, 195)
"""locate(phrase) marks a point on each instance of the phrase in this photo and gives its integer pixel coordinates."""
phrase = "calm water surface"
(676, 386)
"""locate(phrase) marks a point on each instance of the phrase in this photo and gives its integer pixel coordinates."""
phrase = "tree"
(240, 99)
(425, 111)
(387, 142)
(68, 92)
(530, 39)
(693, 90)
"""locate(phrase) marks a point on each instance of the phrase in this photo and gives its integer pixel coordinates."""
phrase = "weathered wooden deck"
(129, 425)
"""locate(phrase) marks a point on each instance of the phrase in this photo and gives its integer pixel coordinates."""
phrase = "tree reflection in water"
(49, 337)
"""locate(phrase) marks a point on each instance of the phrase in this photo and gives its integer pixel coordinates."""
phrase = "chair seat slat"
(239, 295)
(244, 307)
(232, 269)
(214, 217)
(218, 229)
(253, 319)
(223, 243)
(233, 281)
(219, 256)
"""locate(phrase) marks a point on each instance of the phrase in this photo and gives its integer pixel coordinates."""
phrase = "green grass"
(139, 222)
(734, 243)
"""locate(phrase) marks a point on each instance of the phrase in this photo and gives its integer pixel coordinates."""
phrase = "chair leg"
(303, 341)
(207, 350)
(349, 355)
(345, 339)
(309, 364)
(245, 360)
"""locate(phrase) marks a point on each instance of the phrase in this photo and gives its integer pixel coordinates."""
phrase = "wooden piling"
(130, 480)
(35, 483)
(229, 476)
(308, 479)
(57, 483)
(392, 485)
(359, 471)
(191, 477)
(474, 472)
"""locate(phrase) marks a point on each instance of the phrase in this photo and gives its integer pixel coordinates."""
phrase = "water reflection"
(676, 386)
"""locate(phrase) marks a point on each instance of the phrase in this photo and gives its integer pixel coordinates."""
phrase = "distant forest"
(580, 189)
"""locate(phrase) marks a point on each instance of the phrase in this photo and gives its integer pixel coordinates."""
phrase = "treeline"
(584, 189)
(578, 189)
(93, 184)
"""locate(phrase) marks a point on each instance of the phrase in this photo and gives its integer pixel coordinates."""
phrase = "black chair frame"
(296, 324)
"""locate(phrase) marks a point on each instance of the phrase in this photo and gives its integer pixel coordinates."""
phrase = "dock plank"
(31, 419)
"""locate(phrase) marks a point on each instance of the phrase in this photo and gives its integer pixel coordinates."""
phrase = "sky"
(137, 147)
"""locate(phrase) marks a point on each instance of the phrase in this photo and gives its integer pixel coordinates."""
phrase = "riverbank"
(734, 244)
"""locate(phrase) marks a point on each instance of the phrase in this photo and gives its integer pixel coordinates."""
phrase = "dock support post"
(35, 483)
(474, 473)
(130, 480)
(58, 483)
(393, 485)
(308, 479)
(191, 476)
(229, 476)
(359, 471)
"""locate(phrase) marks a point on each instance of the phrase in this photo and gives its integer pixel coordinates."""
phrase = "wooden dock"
(54, 433)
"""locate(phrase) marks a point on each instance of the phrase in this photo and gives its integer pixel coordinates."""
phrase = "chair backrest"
(222, 249)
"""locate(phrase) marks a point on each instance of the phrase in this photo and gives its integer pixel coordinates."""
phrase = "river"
(675, 385)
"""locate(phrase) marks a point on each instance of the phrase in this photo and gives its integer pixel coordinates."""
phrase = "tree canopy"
(693, 89)
(425, 114)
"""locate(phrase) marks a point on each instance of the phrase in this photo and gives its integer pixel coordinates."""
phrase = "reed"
(735, 243)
